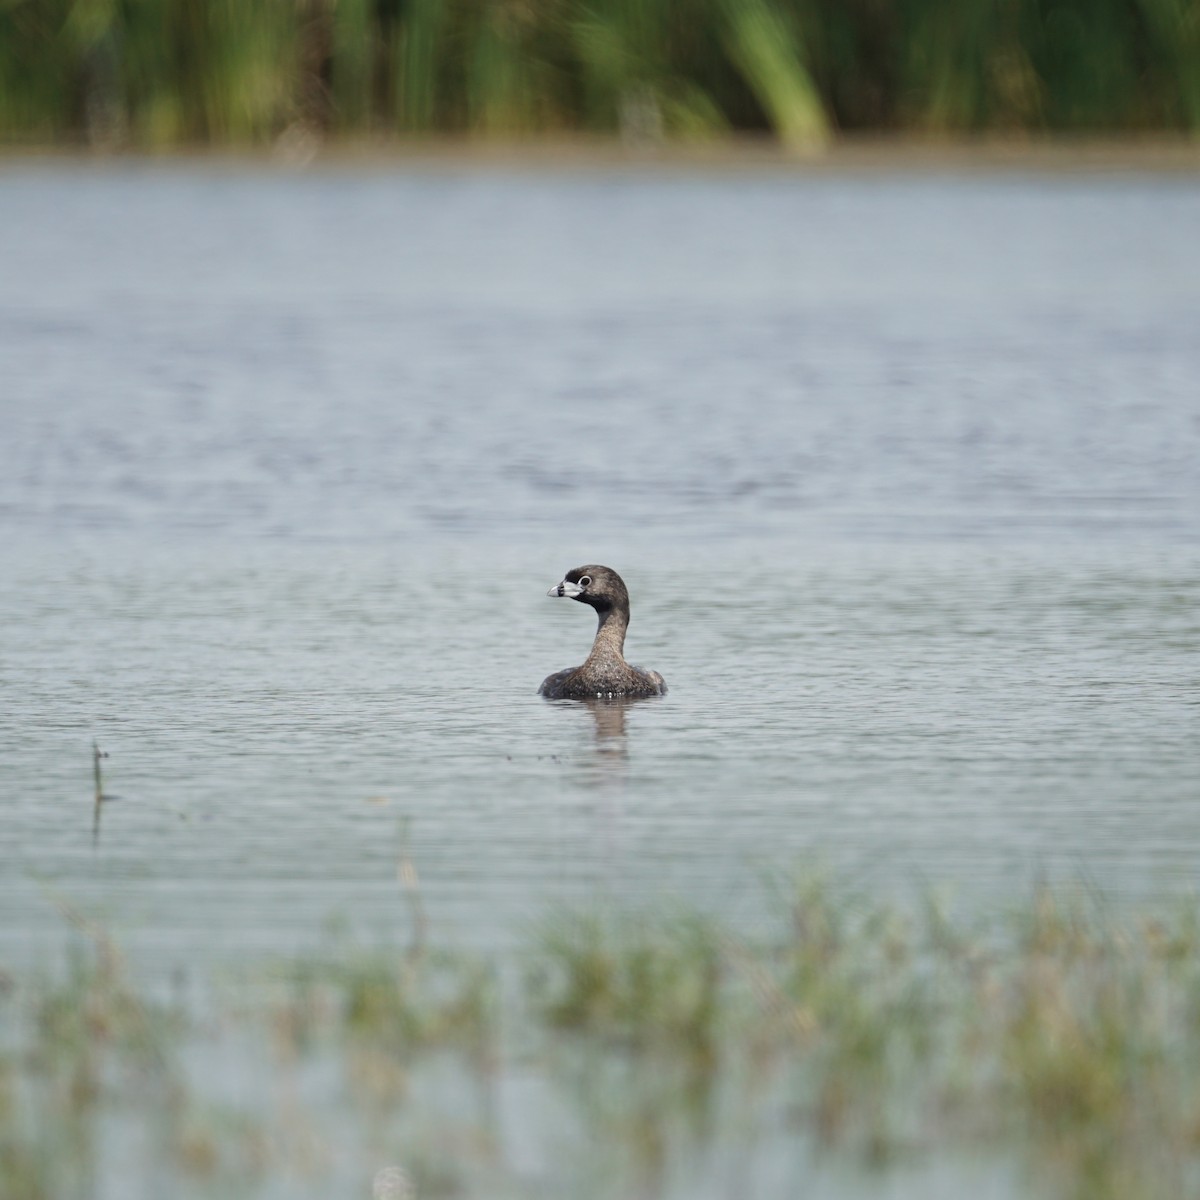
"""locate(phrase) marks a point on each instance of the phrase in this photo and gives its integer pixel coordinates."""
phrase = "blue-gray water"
(903, 474)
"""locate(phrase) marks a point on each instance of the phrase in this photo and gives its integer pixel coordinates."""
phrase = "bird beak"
(570, 590)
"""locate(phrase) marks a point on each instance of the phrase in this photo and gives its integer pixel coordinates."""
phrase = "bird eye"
(585, 580)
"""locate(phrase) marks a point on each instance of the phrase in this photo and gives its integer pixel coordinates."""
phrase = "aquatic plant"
(398, 1006)
(1062, 1031)
(1062, 1036)
(642, 981)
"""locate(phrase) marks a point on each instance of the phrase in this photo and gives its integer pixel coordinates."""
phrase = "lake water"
(903, 473)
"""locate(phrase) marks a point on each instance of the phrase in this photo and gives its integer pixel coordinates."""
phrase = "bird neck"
(610, 636)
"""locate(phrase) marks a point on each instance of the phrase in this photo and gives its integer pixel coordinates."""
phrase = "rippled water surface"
(902, 473)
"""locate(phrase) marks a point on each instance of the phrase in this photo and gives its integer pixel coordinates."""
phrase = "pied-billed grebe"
(605, 673)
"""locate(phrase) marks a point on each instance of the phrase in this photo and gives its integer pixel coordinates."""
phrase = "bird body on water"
(605, 672)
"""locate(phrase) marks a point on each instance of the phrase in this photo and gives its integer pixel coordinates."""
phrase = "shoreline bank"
(855, 155)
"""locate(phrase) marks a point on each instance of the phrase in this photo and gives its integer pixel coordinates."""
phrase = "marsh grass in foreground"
(1062, 1041)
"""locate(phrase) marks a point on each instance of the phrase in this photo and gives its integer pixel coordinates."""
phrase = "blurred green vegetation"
(1057, 1045)
(234, 72)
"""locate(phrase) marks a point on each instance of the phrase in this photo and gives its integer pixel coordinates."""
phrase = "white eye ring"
(585, 580)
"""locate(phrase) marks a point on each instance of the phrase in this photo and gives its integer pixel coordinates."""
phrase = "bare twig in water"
(97, 755)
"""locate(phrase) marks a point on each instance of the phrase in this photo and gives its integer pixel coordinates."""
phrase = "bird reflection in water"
(609, 718)
(609, 715)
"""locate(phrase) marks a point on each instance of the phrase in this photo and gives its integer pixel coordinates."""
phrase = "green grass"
(1061, 1040)
(160, 73)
